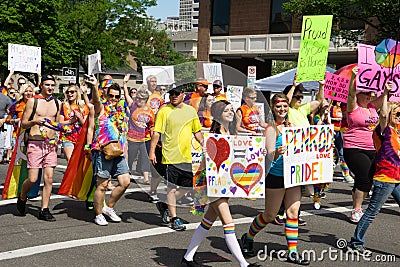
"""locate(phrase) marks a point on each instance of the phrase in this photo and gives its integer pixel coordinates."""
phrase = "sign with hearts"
(235, 165)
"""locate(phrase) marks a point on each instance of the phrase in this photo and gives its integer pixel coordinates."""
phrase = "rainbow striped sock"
(206, 224)
(256, 226)
(345, 169)
(229, 229)
(292, 233)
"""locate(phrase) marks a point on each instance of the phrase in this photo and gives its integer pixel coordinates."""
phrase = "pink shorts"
(41, 154)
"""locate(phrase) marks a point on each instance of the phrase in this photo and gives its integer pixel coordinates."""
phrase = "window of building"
(195, 9)
(220, 17)
(281, 22)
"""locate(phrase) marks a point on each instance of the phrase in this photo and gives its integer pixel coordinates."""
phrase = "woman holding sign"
(358, 148)
(224, 122)
(387, 174)
(275, 191)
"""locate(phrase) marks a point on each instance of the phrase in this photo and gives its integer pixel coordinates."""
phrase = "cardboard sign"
(164, 74)
(309, 155)
(212, 72)
(94, 63)
(234, 95)
(24, 58)
(373, 76)
(314, 45)
(235, 166)
(336, 87)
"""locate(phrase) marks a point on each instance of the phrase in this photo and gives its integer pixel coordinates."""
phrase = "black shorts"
(179, 175)
(274, 182)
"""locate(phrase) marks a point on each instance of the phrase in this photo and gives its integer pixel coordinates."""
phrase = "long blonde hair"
(392, 106)
(79, 102)
(22, 91)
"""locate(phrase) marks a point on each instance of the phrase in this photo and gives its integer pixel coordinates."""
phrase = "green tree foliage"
(383, 16)
(71, 29)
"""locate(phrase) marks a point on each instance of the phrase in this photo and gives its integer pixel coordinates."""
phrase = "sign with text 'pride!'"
(235, 165)
(314, 45)
(336, 87)
(309, 155)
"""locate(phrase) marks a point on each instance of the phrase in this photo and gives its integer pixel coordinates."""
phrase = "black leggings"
(362, 163)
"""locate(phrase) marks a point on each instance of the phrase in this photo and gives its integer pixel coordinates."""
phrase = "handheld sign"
(234, 95)
(309, 155)
(314, 45)
(24, 58)
(212, 72)
(336, 87)
(235, 165)
(94, 63)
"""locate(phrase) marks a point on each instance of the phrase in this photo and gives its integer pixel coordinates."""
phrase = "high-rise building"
(188, 15)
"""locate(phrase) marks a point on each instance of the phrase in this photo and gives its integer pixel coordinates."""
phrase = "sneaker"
(177, 225)
(322, 195)
(21, 206)
(247, 246)
(356, 215)
(100, 220)
(279, 220)
(164, 212)
(317, 205)
(153, 198)
(348, 179)
(254, 265)
(110, 212)
(186, 200)
(296, 258)
(302, 222)
(192, 263)
(45, 215)
(360, 249)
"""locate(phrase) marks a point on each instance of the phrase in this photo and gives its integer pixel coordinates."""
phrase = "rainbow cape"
(78, 178)
(17, 171)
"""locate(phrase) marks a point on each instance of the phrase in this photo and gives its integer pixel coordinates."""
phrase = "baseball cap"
(202, 80)
(178, 89)
(217, 83)
(48, 77)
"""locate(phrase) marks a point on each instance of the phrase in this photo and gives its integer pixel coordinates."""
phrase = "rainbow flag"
(17, 171)
(78, 178)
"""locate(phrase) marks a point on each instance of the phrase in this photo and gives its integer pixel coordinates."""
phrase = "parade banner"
(212, 72)
(234, 95)
(309, 155)
(164, 74)
(235, 165)
(372, 76)
(24, 58)
(17, 171)
(336, 87)
(314, 45)
(94, 63)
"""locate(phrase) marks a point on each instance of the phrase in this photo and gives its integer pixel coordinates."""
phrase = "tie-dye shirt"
(111, 125)
(388, 158)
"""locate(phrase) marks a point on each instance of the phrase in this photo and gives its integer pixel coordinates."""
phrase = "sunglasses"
(114, 96)
(252, 97)
(397, 114)
(49, 85)
(21, 83)
(12, 93)
(298, 97)
(70, 92)
(365, 93)
(174, 93)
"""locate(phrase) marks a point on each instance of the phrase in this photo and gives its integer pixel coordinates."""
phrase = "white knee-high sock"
(233, 244)
(198, 236)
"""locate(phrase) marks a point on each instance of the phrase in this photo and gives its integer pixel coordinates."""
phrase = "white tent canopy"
(279, 81)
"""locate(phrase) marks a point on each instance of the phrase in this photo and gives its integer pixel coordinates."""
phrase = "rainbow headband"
(280, 101)
(105, 83)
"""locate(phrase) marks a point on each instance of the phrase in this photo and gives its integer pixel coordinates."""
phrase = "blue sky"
(164, 9)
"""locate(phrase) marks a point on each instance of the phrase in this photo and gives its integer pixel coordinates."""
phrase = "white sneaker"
(348, 179)
(110, 212)
(317, 205)
(100, 220)
(356, 215)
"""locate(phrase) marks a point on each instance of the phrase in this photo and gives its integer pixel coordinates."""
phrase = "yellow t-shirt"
(298, 117)
(176, 126)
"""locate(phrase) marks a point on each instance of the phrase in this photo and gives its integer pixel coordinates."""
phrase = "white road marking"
(24, 252)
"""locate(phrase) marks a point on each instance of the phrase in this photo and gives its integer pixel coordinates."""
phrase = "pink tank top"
(362, 123)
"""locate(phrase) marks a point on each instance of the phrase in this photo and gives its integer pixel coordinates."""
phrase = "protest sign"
(164, 74)
(314, 45)
(94, 63)
(24, 58)
(212, 72)
(234, 95)
(235, 165)
(336, 87)
(373, 76)
(309, 155)
(197, 154)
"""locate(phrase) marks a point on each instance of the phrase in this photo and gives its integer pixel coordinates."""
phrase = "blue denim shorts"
(108, 168)
(67, 144)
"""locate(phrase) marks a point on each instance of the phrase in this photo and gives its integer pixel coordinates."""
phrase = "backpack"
(35, 104)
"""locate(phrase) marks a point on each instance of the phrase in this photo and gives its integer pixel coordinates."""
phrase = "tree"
(382, 16)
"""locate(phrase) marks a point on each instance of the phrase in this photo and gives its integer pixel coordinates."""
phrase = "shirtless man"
(42, 148)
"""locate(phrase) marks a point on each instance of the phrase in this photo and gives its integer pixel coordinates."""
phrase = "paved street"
(141, 238)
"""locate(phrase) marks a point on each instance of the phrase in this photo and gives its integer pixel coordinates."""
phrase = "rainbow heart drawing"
(246, 177)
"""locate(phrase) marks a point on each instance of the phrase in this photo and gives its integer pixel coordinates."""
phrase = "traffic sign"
(69, 74)
(251, 72)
